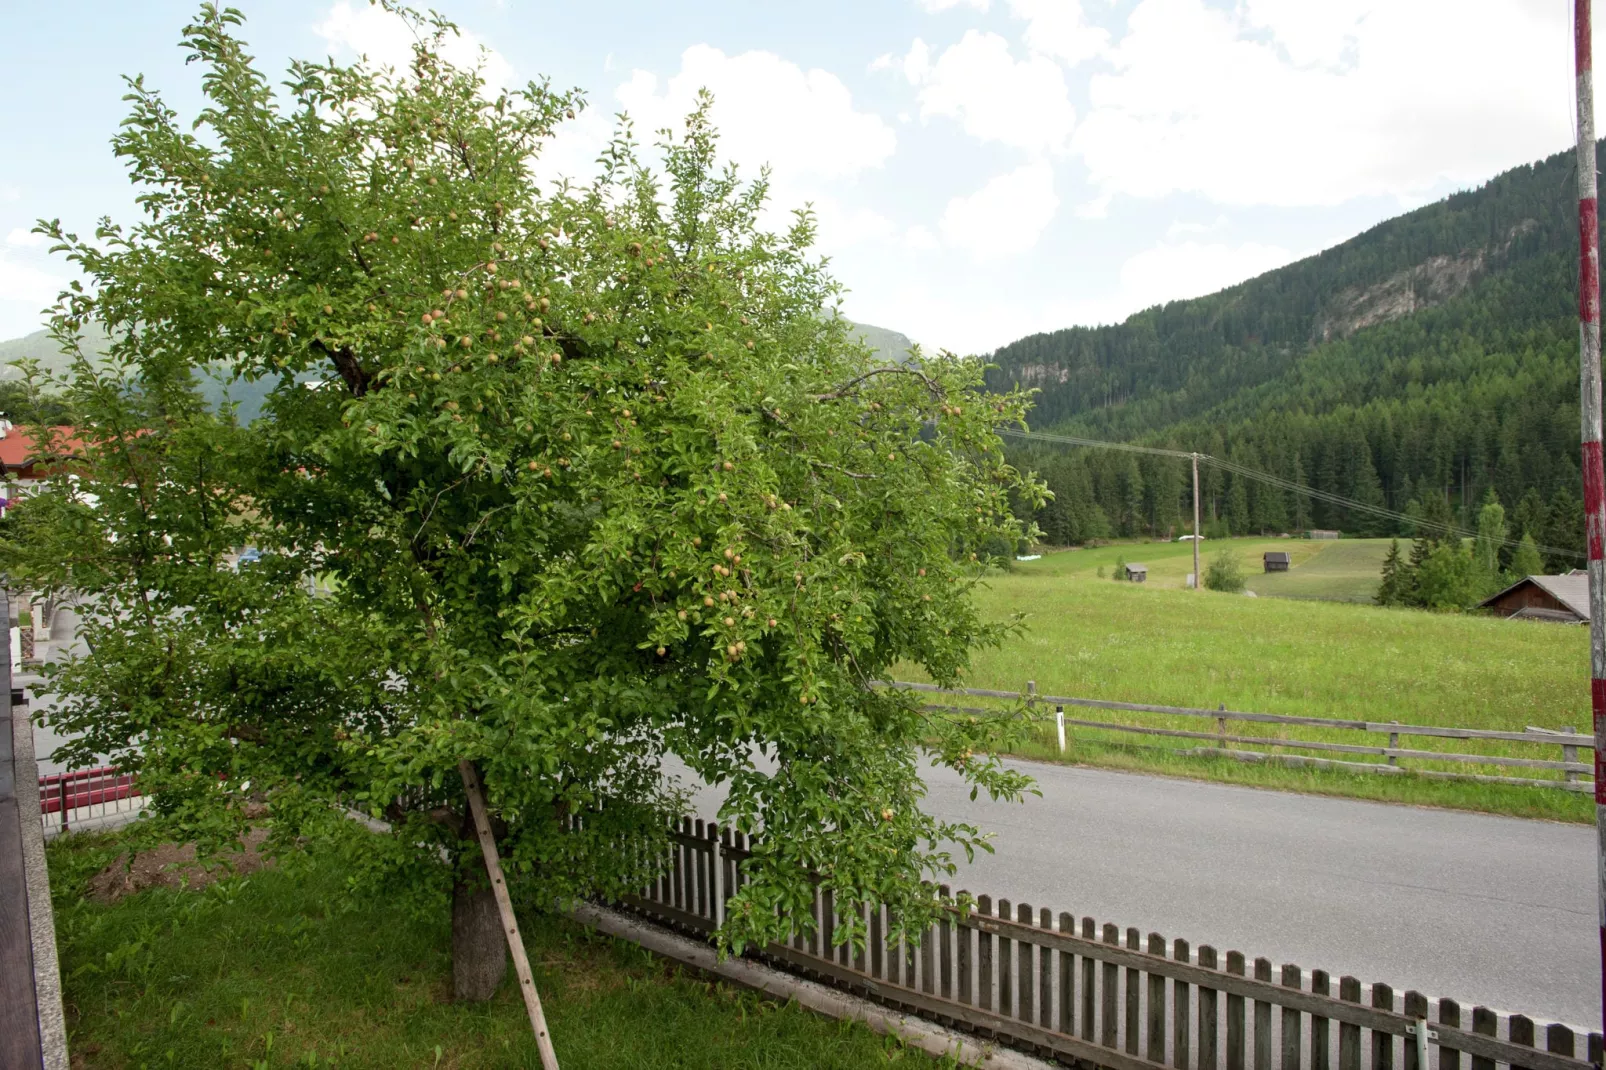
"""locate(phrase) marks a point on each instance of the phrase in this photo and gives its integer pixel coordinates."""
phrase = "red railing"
(104, 788)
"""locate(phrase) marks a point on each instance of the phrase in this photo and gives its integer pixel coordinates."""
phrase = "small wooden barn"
(1276, 560)
(1563, 599)
(1137, 573)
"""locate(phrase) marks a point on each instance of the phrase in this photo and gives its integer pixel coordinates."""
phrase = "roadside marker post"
(1590, 419)
(1059, 722)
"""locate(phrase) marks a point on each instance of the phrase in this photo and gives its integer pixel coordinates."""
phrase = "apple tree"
(556, 480)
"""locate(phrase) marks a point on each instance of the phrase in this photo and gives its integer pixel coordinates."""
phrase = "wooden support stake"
(504, 906)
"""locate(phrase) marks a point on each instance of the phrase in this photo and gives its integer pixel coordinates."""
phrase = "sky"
(981, 169)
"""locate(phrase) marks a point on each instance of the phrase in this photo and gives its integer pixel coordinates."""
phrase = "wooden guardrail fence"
(1090, 994)
(1570, 744)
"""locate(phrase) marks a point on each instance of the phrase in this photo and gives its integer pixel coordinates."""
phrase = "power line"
(1246, 472)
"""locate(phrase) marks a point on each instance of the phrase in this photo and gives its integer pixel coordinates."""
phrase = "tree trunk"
(479, 950)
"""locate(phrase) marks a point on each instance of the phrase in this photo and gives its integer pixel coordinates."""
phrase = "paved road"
(1490, 910)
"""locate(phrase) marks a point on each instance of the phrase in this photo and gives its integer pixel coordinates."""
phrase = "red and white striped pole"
(1589, 416)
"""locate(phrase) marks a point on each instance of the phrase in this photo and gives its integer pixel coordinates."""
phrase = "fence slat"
(1559, 1041)
(1108, 1021)
(1416, 1006)
(965, 936)
(1208, 1039)
(1155, 1050)
(1382, 1043)
(1291, 978)
(701, 866)
(1320, 1034)
(945, 951)
(1449, 1015)
(984, 957)
(1006, 965)
(1349, 1036)
(1484, 1021)
(1179, 1009)
(1133, 995)
(1045, 975)
(876, 945)
(1235, 1016)
(1262, 1019)
(928, 959)
(1089, 983)
(1521, 1029)
(1025, 970)
(1067, 965)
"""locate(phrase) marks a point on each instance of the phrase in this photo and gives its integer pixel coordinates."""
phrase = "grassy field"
(1344, 570)
(260, 972)
(1347, 570)
(1159, 644)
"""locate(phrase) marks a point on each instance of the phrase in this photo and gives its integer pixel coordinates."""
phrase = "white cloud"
(25, 239)
(1023, 104)
(1174, 272)
(369, 30)
(1058, 29)
(28, 284)
(1006, 216)
(934, 6)
(841, 227)
(920, 239)
(767, 110)
(1291, 103)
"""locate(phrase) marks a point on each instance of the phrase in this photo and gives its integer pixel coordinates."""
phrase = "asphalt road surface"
(1487, 910)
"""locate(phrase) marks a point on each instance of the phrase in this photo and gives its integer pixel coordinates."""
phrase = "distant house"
(21, 462)
(1137, 573)
(1319, 533)
(1276, 560)
(1563, 599)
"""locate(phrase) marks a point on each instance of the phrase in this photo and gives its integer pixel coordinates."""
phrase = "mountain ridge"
(1421, 365)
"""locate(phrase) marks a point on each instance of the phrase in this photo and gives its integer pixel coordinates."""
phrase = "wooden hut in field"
(1137, 573)
(1276, 560)
(1562, 599)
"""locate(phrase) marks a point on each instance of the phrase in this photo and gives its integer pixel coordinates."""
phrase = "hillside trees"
(585, 477)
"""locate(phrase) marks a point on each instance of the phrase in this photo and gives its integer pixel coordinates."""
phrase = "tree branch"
(852, 385)
(345, 362)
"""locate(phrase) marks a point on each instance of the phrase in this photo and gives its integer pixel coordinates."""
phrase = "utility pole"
(1198, 581)
(1589, 416)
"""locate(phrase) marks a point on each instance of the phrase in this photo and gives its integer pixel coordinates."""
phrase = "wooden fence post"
(1394, 744)
(1570, 754)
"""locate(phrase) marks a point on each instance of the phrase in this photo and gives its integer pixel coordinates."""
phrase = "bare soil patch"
(173, 865)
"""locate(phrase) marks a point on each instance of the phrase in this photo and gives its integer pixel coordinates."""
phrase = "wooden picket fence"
(1089, 994)
(1221, 740)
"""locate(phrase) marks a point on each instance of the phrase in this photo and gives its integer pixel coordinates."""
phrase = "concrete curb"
(41, 919)
(917, 1032)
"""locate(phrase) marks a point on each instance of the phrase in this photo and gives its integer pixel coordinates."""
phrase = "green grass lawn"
(1159, 644)
(269, 971)
(1345, 570)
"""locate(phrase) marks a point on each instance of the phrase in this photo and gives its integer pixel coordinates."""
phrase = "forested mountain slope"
(1418, 366)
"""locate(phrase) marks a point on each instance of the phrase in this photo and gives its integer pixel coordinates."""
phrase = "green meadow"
(1158, 643)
